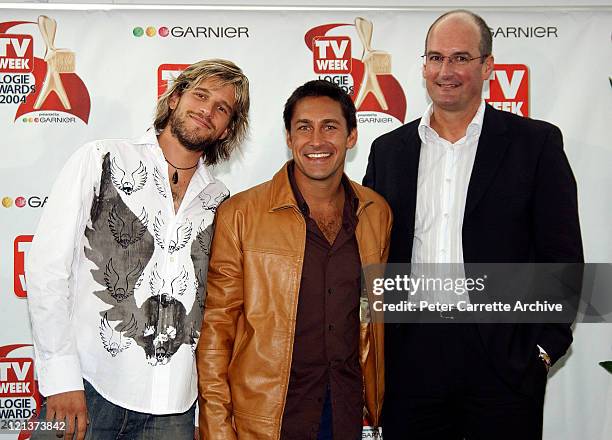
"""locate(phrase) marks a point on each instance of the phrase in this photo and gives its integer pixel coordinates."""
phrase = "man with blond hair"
(117, 269)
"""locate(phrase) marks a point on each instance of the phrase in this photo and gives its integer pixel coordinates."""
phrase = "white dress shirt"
(443, 178)
(116, 279)
(444, 175)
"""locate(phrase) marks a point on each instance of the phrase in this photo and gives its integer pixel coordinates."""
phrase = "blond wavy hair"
(227, 73)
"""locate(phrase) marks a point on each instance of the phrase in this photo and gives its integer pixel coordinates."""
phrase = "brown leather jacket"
(246, 343)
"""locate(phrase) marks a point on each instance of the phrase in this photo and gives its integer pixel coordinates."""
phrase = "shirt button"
(331, 327)
(329, 291)
(448, 180)
(446, 215)
(172, 259)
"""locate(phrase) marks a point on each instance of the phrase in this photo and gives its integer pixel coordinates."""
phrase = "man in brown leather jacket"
(283, 352)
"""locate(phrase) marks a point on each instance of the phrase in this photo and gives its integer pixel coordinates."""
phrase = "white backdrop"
(552, 64)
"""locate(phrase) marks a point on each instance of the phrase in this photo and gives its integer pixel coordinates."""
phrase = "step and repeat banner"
(70, 76)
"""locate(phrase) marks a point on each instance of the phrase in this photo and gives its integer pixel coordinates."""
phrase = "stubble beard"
(189, 139)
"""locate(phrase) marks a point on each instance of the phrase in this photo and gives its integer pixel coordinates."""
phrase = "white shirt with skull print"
(116, 279)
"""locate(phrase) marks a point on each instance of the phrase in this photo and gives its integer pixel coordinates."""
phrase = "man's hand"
(69, 406)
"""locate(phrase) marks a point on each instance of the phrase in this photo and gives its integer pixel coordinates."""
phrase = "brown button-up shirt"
(326, 345)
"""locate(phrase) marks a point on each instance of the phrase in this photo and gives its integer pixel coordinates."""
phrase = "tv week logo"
(40, 85)
(166, 75)
(20, 400)
(16, 53)
(332, 55)
(509, 88)
(16, 377)
(21, 245)
(369, 79)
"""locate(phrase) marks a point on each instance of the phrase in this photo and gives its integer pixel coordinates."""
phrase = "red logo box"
(16, 53)
(509, 88)
(20, 247)
(16, 377)
(168, 73)
(332, 55)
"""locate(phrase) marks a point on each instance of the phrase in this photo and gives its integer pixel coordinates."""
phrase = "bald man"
(471, 184)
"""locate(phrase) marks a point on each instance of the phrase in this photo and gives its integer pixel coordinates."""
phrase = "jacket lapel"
(491, 149)
(412, 177)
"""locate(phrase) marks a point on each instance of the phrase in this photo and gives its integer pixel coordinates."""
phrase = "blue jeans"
(108, 421)
(326, 424)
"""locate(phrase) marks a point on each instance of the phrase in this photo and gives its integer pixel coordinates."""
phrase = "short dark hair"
(320, 87)
(486, 39)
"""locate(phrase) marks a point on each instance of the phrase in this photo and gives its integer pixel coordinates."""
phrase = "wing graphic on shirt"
(205, 198)
(159, 183)
(122, 286)
(224, 195)
(204, 237)
(179, 284)
(161, 324)
(200, 252)
(117, 340)
(118, 258)
(200, 287)
(127, 234)
(211, 204)
(183, 234)
(156, 282)
(159, 230)
(128, 184)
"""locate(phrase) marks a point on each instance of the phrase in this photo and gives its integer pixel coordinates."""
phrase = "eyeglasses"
(457, 60)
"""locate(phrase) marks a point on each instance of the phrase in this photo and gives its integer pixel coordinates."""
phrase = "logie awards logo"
(43, 87)
(368, 79)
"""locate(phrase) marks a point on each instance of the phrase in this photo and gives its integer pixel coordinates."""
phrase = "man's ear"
(487, 68)
(225, 133)
(174, 100)
(351, 140)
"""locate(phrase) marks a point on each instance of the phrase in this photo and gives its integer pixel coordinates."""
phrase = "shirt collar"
(149, 137)
(427, 134)
(351, 202)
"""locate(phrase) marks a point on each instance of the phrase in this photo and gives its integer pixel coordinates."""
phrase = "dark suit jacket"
(521, 207)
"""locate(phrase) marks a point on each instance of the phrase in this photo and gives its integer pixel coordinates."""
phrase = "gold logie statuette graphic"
(376, 62)
(58, 61)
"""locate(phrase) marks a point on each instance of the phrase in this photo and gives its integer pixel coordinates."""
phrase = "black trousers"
(449, 390)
